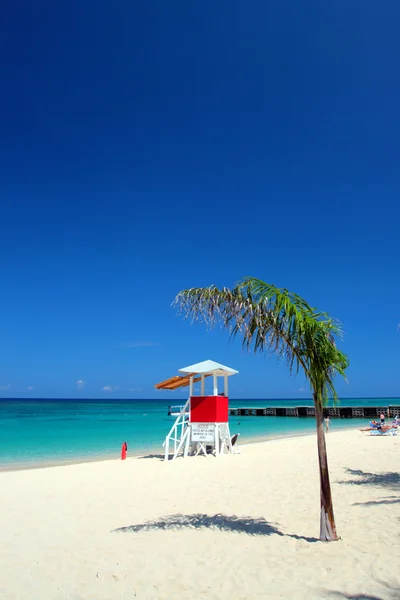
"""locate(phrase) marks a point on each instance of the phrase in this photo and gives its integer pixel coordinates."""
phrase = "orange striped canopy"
(173, 383)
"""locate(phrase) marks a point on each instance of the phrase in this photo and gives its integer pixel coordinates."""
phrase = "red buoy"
(124, 450)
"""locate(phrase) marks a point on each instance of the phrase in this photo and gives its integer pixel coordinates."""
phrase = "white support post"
(216, 439)
(188, 440)
(202, 385)
(191, 386)
(183, 426)
(166, 455)
(182, 442)
(229, 440)
(226, 385)
(215, 385)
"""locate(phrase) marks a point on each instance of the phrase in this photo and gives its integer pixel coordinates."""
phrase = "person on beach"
(327, 423)
(382, 418)
(377, 427)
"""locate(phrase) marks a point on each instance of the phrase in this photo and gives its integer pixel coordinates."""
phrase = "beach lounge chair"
(230, 444)
(235, 443)
(201, 448)
(389, 432)
(225, 445)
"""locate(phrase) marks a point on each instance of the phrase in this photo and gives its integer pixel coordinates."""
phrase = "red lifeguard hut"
(203, 420)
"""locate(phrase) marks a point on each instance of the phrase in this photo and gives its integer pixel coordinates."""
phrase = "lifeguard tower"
(203, 420)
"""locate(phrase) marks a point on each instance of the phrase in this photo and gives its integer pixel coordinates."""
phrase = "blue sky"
(148, 147)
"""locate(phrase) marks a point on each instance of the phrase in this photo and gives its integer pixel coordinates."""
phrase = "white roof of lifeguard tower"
(209, 367)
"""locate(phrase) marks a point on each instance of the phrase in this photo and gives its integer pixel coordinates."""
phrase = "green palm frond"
(273, 320)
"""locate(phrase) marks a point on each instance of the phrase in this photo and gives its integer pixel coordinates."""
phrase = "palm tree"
(274, 320)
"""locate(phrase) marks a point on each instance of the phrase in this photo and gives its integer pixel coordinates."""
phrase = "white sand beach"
(242, 526)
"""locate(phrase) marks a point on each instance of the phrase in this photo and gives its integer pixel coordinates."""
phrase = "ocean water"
(34, 432)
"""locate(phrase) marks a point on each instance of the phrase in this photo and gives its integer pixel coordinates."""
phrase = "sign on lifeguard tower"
(202, 424)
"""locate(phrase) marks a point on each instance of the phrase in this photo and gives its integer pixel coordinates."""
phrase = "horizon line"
(108, 399)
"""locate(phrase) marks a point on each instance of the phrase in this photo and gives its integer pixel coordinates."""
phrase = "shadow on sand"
(389, 481)
(162, 456)
(387, 500)
(386, 480)
(392, 591)
(158, 456)
(219, 522)
(354, 596)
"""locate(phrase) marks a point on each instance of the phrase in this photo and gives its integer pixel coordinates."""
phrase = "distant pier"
(335, 412)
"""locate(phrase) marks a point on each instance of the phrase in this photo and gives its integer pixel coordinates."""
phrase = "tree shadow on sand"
(219, 522)
(388, 500)
(392, 591)
(386, 480)
(354, 596)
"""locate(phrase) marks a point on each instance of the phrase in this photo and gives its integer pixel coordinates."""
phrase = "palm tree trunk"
(327, 532)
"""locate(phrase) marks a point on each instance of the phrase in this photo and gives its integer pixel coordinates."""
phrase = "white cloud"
(4, 388)
(131, 389)
(301, 390)
(30, 388)
(80, 384)
(108, 388)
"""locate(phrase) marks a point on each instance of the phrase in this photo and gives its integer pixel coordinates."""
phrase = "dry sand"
(242, 526)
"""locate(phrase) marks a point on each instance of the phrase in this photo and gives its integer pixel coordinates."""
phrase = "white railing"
(179, 432)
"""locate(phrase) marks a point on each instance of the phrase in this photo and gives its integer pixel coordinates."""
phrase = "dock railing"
(334, 412)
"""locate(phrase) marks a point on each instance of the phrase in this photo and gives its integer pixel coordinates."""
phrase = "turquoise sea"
(34, 432)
